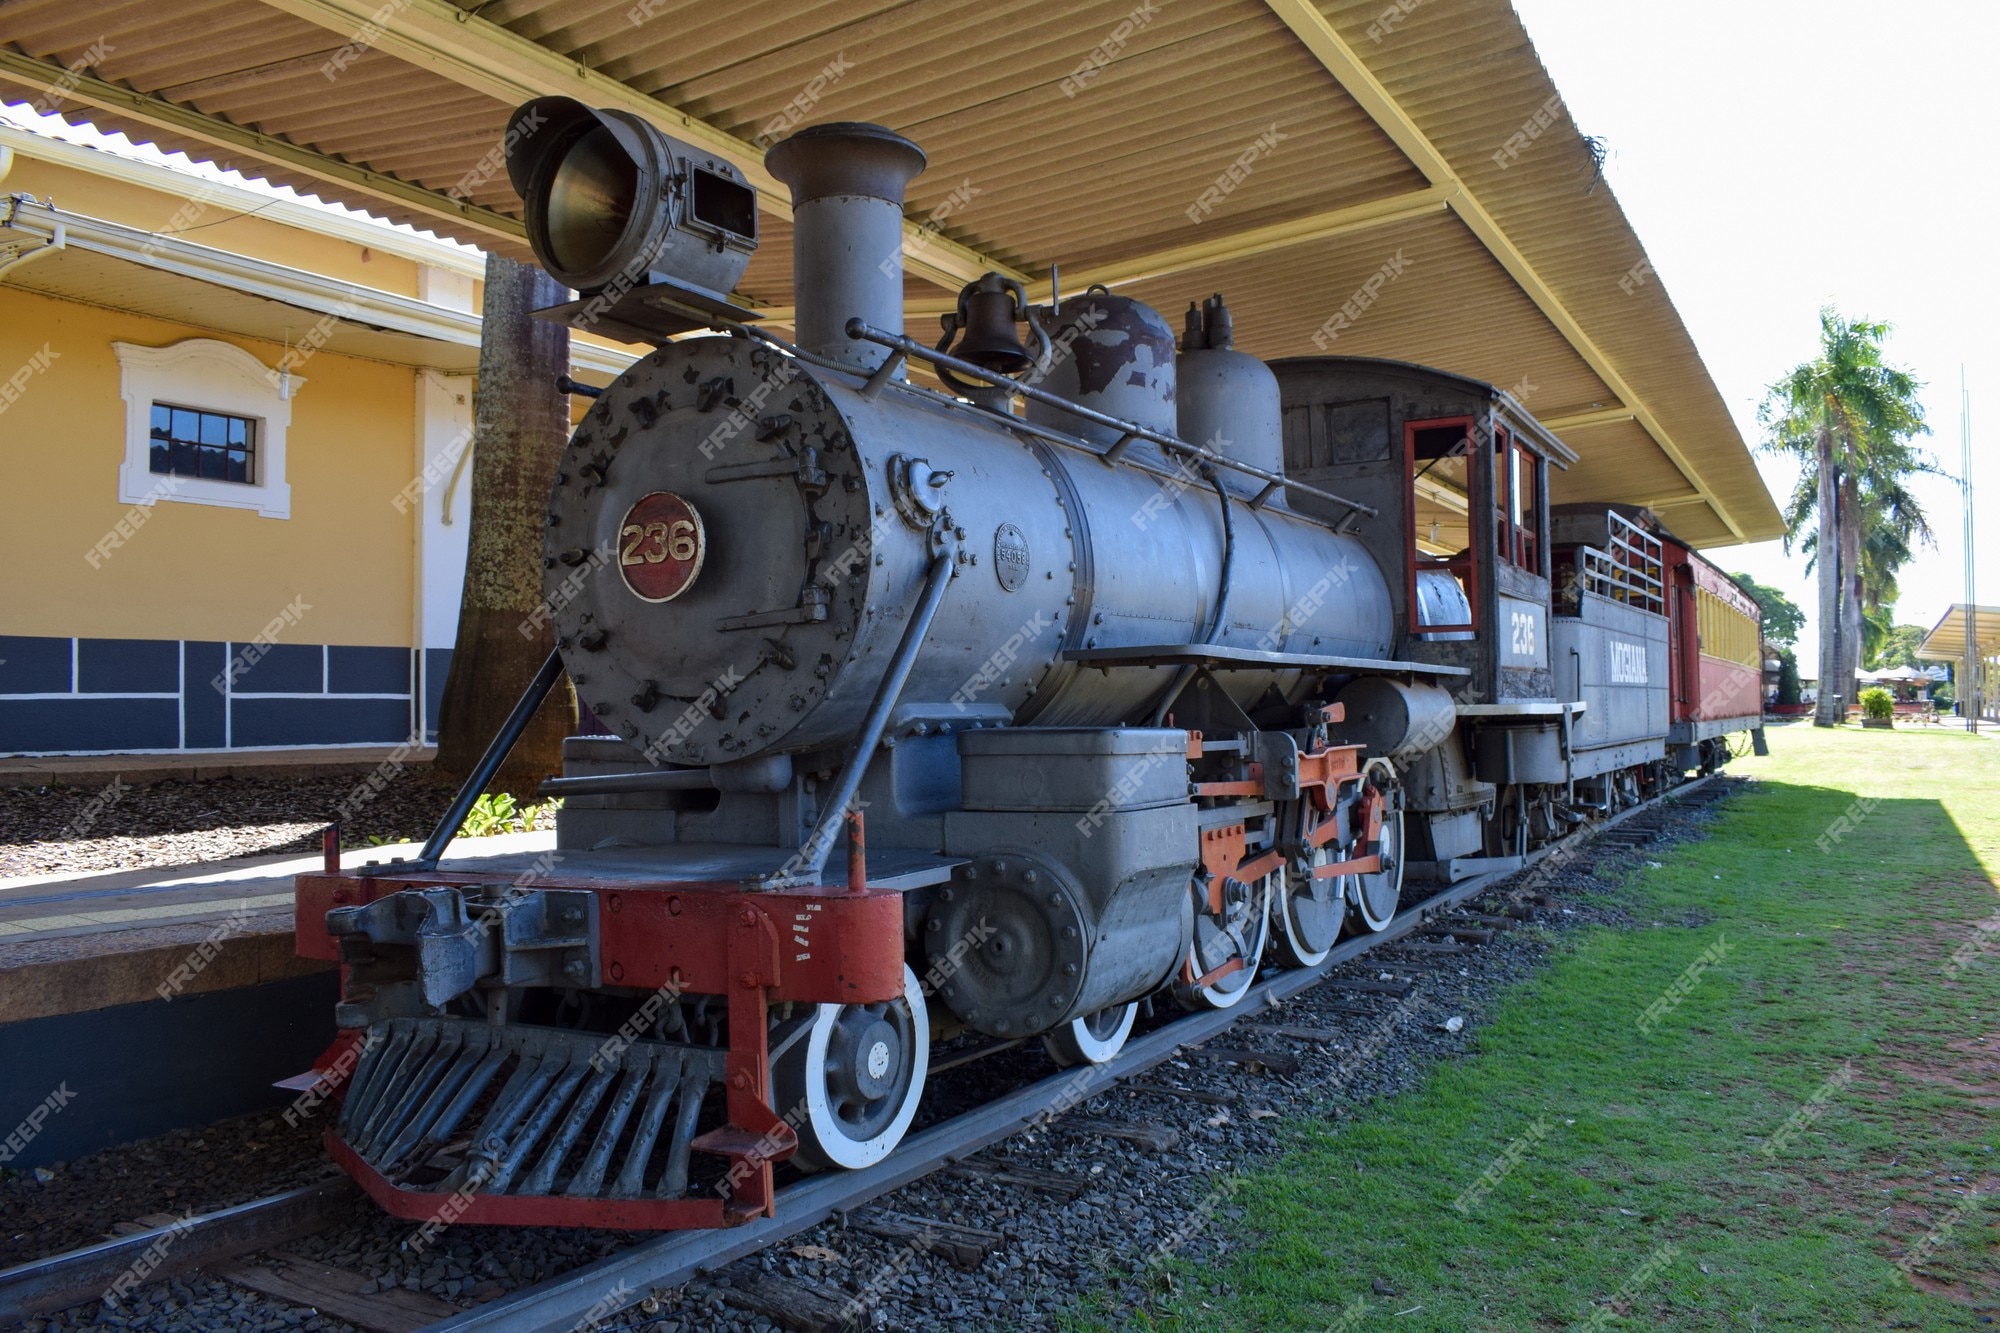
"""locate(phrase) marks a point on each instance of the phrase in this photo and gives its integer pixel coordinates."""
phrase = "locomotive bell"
(612, 202)
(988, 313)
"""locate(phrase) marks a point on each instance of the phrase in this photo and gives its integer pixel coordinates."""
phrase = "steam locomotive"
(1115, 669)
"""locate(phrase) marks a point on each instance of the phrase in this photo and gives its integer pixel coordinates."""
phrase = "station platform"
(83, 770)
(167, 998)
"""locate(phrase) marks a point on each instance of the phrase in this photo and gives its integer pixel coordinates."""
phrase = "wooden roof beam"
(1606, 416)
(477, 53)
(1222, 249)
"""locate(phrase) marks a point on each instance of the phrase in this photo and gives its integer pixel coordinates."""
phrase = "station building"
(238, 432)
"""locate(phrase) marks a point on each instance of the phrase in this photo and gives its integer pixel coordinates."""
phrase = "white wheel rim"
(1095, 1049)
(1285, 901)
(1392, 844)
(828, 1131)
(1257, 920)
(1288, 920)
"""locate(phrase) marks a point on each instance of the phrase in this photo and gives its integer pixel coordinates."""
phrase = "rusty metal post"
(857, 853)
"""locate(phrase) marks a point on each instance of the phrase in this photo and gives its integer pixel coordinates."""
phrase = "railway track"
(597, 1290)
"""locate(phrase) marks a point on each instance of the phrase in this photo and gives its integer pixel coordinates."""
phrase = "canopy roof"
(1946, 640)
(1279, 151)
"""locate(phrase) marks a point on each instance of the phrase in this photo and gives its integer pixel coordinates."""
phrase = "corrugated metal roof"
(1096, 181)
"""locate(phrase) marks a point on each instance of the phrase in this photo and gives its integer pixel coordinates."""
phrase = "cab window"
(1439, 461)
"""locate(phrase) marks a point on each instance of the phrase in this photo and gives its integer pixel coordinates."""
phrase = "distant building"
(237, 436)
(1946, 642)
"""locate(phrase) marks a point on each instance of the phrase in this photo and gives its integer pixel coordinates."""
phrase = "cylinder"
(1116, 355)
(847, 181)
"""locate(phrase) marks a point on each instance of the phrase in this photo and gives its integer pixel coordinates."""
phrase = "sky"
(1775, 156)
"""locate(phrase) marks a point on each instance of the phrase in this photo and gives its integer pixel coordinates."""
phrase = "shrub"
(1877, 702)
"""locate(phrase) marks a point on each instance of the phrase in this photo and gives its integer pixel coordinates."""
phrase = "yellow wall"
(196, 571)
(153, 210)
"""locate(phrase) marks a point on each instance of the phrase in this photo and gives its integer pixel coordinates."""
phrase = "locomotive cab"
(1465, 469)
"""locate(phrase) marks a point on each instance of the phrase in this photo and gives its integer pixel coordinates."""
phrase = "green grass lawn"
(1822, 1102)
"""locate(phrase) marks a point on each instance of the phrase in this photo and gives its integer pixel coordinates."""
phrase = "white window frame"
(211, 376)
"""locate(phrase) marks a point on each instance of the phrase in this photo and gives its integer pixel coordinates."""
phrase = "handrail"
(865, 332)
(807, 866)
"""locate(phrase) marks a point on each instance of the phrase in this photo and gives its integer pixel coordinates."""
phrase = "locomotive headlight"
(613, 203)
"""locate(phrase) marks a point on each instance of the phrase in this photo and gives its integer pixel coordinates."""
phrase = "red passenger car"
(1715, 659)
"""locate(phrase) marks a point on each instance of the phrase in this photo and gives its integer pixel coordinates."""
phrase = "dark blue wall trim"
(127, 666)
(278, 668)
(89, 724)
(203, 708)
(368, 670)
(327, 721)
(33, 666)
(137, 1070)
(100, 716)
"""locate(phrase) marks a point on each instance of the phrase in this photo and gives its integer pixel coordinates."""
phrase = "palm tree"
(1848, 417)
(1892, 523)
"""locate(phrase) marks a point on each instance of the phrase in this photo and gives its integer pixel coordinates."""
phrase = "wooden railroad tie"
(1151, 1137)
(1369, 987)
(788, 1303)
(1276, 1062)
(1053, 1183)
(1321, 1035)
(965, 1246)
(1183, 1094)
(1429, 945)
(338, 1292)
(1352, 1011)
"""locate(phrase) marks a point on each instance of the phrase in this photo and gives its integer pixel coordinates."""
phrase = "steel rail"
(623, 1280)
(77, 1277)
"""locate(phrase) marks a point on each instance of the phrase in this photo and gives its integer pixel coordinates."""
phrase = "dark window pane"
(186, 462)
(185, 427)
(162, 418)
(214, 429)
(214, 462)
(239, 465)
(239, 431)
(163, 458)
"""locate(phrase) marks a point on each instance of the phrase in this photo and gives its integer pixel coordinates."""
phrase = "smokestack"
(847, 182)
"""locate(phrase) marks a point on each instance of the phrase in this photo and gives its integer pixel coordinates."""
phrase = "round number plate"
(660, 546)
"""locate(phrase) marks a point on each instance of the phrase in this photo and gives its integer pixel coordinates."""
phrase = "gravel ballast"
(129, 826)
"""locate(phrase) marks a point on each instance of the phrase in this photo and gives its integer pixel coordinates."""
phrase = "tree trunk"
(519, 427)
(1825, 712)
(1850, 581)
